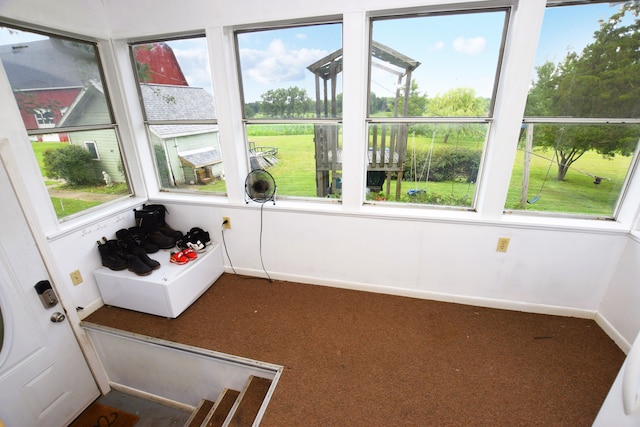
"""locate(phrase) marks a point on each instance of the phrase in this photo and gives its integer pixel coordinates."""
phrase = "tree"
(378, 104)
(417, 102)
(601, 82)
(457, 102)
(285, 103)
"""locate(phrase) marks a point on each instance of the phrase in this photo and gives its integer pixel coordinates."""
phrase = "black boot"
(149, 261)
(159, 239)
(111, 259)
(141, 238)
(161, 213)
(114, 247)
(150, 222)
(137, 265)
(127, 243)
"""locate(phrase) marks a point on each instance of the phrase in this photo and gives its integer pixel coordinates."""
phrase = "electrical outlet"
(226, 222)
(503, 244)
(76, 277)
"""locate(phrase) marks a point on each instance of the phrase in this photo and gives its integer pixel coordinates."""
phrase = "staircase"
(233, 408)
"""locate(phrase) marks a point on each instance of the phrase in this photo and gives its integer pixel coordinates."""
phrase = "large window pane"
(423, 69)
(56, 82)
(292, 88)
(292, 72)
(304, 159)
(547, 177)
(587, 63)
(437, 65)
(59, 91)
(581, 119)
(438, 165)
(177, 97)
(188, 157)
(79, 177)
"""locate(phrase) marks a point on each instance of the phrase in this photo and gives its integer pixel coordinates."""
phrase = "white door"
(44, 378)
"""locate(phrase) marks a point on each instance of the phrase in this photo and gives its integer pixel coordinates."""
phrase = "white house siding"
(108, 150)
(182, 173)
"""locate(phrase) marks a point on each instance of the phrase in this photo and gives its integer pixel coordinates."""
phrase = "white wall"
(73, 16)
(553, 265)
(547, 271)
(620, 304)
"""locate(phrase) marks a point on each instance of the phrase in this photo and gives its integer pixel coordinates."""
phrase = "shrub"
(447, 164)
(431, 198)
(72, 163)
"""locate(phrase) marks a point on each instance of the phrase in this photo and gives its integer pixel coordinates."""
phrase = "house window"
(177, 97)
(432, 83)
(51, 76)
(44, 118)
(92, 148)
(581, 126)
(292, 98)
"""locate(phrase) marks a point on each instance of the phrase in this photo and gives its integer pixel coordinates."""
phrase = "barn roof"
(51, 63)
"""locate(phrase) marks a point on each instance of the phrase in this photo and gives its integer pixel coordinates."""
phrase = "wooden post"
(318, 103)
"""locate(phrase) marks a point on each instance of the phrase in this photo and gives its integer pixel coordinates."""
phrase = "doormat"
(98, 415)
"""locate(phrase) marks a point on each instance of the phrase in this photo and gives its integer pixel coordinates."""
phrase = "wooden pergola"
(387, 146)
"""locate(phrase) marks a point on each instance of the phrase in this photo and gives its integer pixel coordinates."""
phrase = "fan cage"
(260, 186)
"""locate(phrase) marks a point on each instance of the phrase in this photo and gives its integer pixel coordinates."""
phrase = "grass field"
(295, 175)
(65, 206)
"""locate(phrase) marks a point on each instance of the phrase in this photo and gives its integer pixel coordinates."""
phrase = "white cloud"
(439, 45)
(278, 63)
(471, 46)
(194, 63)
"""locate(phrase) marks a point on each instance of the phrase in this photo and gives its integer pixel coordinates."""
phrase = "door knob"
(57, 317)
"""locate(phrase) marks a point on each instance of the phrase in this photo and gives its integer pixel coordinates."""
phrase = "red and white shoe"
(190, 253)
(178, 258)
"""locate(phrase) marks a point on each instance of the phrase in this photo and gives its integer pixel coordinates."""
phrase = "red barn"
(48, 75)
(157, 64)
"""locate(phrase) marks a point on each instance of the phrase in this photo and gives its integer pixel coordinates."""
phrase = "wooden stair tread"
(200, 414)
(251, 399)
(223, 405)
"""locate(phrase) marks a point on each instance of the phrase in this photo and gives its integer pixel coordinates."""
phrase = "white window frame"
(507, 9)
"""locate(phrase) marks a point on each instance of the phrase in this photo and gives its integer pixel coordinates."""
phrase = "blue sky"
(454, 50)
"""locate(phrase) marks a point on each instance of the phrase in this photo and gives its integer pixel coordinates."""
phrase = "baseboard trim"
(613, 333)
(87, 310)
(430, 295)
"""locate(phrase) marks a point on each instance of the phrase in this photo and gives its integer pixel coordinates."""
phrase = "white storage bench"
(167, 291)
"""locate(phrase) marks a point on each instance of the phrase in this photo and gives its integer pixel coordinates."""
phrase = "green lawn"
(69, 206)
(577, 193)
(66, 207)
(295, 176)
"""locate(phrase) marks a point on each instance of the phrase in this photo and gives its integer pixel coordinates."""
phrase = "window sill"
(115, 208)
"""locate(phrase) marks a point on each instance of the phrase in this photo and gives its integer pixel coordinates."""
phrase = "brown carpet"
(364, 359)
(98, 415)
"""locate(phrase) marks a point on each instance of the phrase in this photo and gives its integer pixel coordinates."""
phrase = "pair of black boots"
(125, 252)
(152, 228)
(131, 246)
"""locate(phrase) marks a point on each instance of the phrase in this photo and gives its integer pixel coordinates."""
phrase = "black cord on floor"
(224, 242)
(261, 260)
